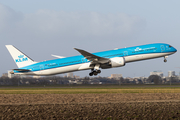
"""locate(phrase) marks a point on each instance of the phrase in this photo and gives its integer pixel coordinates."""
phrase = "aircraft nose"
(172, 49)
(175, 50)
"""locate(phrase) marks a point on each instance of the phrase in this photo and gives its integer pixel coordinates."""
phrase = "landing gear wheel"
(91, 74)
(95, 73)
(165, 60)
(98, 71)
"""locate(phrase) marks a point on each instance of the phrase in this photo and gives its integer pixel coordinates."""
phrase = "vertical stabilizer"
(19, 57)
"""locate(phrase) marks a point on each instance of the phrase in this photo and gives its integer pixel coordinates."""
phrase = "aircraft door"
(41, 67)
(83, 60)
(125, 53)
(162, 48)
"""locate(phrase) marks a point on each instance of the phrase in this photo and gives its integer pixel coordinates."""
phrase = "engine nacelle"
(117, 61)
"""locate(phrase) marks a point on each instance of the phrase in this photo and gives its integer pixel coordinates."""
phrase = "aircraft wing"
(58, 56)
(93, 58)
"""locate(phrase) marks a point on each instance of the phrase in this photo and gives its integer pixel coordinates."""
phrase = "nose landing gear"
(165, 60)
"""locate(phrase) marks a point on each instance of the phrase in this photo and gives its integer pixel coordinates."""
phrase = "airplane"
(93, 61)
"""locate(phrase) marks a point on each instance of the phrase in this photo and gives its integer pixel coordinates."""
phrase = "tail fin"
(19, 57)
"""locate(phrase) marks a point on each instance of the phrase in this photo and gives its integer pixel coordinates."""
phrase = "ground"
(90, 106)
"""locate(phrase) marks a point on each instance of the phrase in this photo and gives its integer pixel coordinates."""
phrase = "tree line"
(57, 80)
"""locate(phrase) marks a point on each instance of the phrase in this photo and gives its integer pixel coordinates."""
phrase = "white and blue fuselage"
(94, 61)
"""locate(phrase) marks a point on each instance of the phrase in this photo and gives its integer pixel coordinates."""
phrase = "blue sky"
(41, 28)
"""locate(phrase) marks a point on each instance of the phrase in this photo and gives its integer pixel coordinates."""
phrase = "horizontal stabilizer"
(58, 56)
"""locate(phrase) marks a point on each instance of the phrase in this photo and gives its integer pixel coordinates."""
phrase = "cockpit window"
(170, 46)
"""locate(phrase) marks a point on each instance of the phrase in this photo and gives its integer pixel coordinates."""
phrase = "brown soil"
(84, 98)
(90, 106)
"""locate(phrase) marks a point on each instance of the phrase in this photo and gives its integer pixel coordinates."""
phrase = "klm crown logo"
(22, 58)
(138, 49)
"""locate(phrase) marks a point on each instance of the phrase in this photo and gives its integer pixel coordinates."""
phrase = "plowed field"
(90, 106)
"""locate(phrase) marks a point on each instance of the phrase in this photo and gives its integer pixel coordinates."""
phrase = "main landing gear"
(165, 60)
(94, 72)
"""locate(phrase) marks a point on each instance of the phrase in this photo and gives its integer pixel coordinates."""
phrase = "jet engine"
(114, 62)
(117, 62)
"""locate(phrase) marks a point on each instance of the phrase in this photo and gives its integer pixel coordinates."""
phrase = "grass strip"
(85, 91)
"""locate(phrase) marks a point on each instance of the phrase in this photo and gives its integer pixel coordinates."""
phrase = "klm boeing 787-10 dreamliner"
(92, 61)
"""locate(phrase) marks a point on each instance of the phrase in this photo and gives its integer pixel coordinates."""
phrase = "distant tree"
(5, 81)
(173, 79)
(15, 80)
(86, 80)
(154, 79)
